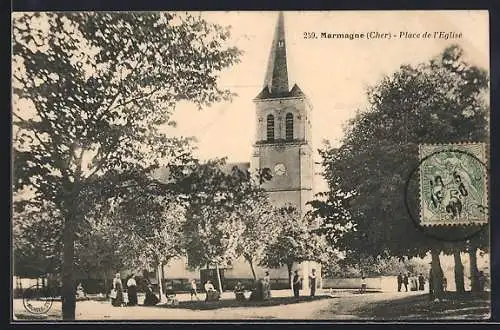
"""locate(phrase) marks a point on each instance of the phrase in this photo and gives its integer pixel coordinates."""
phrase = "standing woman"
(132, 291)
(312, 282)
(117, 292)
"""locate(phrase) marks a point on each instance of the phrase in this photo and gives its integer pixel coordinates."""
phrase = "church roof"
(242, 166)
(296, 91)
(276, 84)
(163, 173)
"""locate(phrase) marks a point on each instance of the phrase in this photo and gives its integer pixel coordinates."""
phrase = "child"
(363, 284)
(194, 292)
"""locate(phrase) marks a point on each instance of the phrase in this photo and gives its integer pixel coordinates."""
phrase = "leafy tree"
(37, 242)
(38, 245)
(96, 251)
(151, 230)
(332, 208)
(228, 214)
(90, 92)
(258, 217)
(294, 243)
(259, 230)
(377, 266)
(441, 101)
(213, 195)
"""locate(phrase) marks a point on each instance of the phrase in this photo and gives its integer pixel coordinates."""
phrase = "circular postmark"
(36, 300)
(446, 195)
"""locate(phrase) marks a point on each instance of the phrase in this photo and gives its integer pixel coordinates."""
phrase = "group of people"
(417, 283)
(117, 292)
(211, 292)
(297, 283)
(260, 291)
(121, 296)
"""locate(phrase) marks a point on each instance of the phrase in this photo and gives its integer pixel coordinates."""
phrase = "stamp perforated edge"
(485, 160)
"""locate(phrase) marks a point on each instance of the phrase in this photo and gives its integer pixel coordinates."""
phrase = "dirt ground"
(327, 305)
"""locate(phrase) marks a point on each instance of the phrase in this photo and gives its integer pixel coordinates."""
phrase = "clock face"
(280, 169)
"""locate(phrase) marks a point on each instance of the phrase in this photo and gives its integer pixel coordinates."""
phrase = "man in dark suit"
(400, 282)
(421, 282)
(296, 283)
(405, 281)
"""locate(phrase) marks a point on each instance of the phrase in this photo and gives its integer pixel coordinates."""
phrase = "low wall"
(374, 283)
(381, 283)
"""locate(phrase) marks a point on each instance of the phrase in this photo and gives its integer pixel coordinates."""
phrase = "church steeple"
(283, 135)
(276, 80)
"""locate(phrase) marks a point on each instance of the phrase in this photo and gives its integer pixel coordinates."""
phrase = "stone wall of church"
(284, 198)
(279, 108)
(289, 156)
(306, 167)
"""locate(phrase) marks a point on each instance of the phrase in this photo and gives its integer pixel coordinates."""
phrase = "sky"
(334, 73)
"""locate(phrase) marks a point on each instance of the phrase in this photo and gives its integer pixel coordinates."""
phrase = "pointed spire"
(276, 79)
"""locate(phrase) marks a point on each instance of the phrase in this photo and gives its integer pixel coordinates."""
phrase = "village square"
(133, 197)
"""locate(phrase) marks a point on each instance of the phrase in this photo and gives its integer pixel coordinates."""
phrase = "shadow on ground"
(229, 303)
(465, 306)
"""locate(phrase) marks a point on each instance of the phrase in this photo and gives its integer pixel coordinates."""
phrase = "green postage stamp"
(453, 184)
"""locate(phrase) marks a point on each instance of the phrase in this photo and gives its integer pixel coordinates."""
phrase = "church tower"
(283, 131)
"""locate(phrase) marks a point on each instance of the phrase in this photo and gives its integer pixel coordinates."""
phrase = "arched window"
(270, 128)
(289, 126)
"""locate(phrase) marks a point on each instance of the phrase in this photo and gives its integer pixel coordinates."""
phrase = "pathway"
(339, 306)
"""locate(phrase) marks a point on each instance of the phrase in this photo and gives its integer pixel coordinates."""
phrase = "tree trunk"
(459, 272)
(437, 275)
(474, 273)
(163, 281)
(289, 268)
(106, 287)
(68, 286)
(160, 284)
(162, 273)
(249, 260)
(218, 277)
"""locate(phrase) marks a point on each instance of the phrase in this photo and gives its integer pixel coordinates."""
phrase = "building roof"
(276, 84)
(163, 173)
(243, 166)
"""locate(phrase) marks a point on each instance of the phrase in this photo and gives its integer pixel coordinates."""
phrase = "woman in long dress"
(132, 291)
(266, 286)
(118, 289)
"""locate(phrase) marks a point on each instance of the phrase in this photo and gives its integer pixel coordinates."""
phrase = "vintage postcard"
(250, 165)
